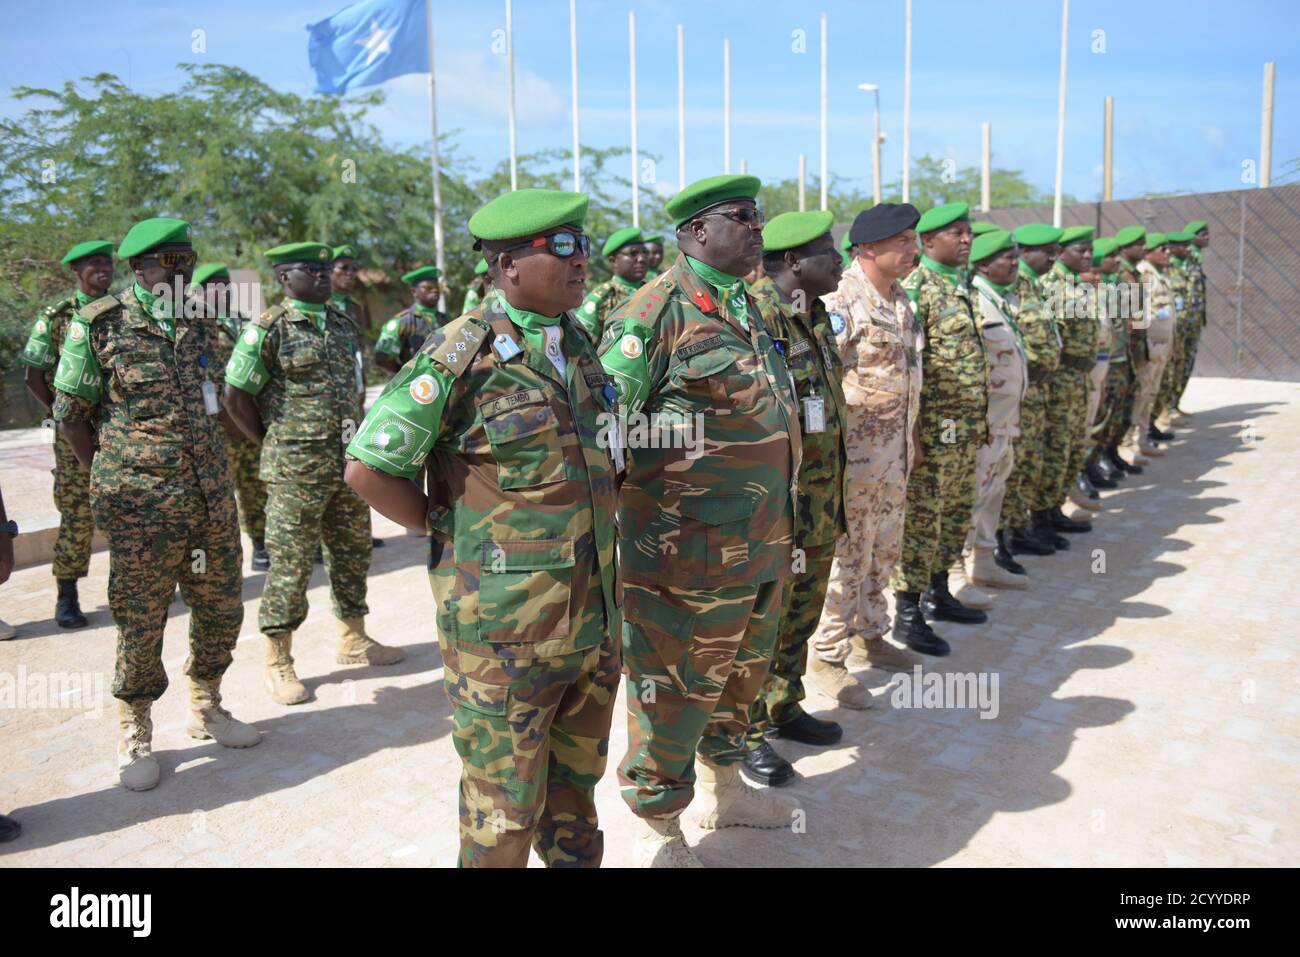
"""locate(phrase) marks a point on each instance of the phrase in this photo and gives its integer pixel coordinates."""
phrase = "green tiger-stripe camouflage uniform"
(814, 363)
(1073, 304)
(704, 542)
(403, 335)
(71, 479)
(602, 301)
(522, 499)
(159, 484)
(243, 453)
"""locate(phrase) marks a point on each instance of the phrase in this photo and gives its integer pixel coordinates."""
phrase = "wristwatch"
(11, 527)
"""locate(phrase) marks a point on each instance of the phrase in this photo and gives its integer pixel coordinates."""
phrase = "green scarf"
(531, 323)
(313, 310)
(159, 310)
(426, 313)
(83, 299)
(950, 273)
(730, 289)
(341, 300)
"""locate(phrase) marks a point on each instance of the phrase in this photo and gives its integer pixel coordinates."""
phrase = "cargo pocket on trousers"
(657, 644)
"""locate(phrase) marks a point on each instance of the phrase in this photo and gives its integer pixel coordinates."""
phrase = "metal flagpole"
(510, 95)
(631, 65)
(986, 162)
(823, 136)
(803, 178)
(1108, 155)
(439, 255)
(726, 105)
(1060, 114)
(573, 69)
(681, 106)
(1266, 127)
(907, 103)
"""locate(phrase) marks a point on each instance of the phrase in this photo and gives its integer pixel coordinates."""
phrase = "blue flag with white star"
(368, 43)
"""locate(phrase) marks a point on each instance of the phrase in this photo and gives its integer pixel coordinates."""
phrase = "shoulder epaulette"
(103, 304)
(647, 303)
(63, 306)
(453, 346)
(267, 319)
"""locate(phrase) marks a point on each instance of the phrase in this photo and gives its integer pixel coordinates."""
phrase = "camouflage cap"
(620, 238)
(1130, 235)
(990, 244)
(527, 212)
(711, 191)
(980, 227)
(790, 230)
(210, 271)
(1077, 234)
(418, 275)
(299, 253)
(346, 251)
(941, 216)
(93, 247)
(148, 233)
(1037, 234)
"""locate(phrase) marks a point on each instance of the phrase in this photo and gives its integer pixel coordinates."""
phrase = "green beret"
(210, 271)
(417, 275)
(346, 251)
(980, 227)
(940, 216)
(704, 193)
(1195, 226)
(655, 238)
(1182, 236)
(620, 238)
(299, 253)
(990, 244)
(527, 212)
(1103, 247)
(1037, 234)
(1077, 234)
(845, 242)
(144, 236)
(94, 247)
(1129, 235)
(794, 229)
(480, 267)
(1156, 240)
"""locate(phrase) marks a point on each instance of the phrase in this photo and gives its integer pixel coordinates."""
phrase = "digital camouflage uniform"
(403, 335)
(1118, 379)
(879, 342)
(1183, 288)
(1129, 327)
(602, 301)
(159, 484)
(1042, 341)
(1196, 319)
(953, 425)
(359, 313)
(521, 508)
(1160, 320)
(71, 478)
(302, 367)
(814, 362)
(704, 543)
(243, 453)
(1073, 304)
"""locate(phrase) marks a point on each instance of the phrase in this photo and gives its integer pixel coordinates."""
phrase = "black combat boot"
(910, 627)
(1002, 554)
(1158, 434)
(764, 764)
(1118, 461)
(938, 603)
(261, 560)
(67, 610)
(1099, 476)
(1044, 532)
(1110, 469)
(1063, 524)
(1023, 541)
(807, 730)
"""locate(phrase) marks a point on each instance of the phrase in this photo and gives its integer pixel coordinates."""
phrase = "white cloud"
(1214, 136)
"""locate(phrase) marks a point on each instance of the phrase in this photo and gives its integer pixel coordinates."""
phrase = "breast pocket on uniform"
(715, 381)
(306, 386)
(524, 432)
(524, 590)
(147, 385)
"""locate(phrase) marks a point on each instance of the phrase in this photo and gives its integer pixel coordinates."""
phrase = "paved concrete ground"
(1148, 710)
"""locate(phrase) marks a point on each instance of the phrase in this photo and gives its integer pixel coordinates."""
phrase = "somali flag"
(368, 43)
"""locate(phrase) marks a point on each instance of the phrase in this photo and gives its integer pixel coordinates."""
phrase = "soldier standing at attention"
(654, 247)
(801, 264)
(1160, 316)
(1180, 281)
(343, 281)
(1098, 471)
(92, 264)
(1117, 402)
(291, 385)
(704, 539)
(953, 425)
(1199, 232)
(405, 333)
(159, 487)
(505, 408)
(879, 342)
(994, 265)
(478, 287)
(627, 256)
(244, 455)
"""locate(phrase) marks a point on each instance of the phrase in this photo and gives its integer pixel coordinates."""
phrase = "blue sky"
(1186, 77)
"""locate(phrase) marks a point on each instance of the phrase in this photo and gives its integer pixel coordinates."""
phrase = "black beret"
(882, 221)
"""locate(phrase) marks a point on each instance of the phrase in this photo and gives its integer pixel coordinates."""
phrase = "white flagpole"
(573, 63)
(823, 142)
(803, 177)
(681, 106)
(986, 165)
(631, 66)
(1060, 114)
(907, 103)
(439, 254)
(726, 105)
(510, 95)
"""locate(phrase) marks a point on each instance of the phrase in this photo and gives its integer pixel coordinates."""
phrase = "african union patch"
(251, 337)
(393, 437)
(41, 327)
(77, 332)
(424, 389)
(695, 348)
(837, 323)
(630, 346)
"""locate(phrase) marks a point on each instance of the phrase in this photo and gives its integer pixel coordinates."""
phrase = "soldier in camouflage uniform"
(343, 280)
(626, 251)
(654, 247)
(92, 263)
(1112, 345)
(1117, 390)
(138, 364)
(478, 287)
(704, 540)
(801, 264)
(1132, 304)
(953, 425)
(1037, 245)
(403, 335)
(1183, 286)
(521, 496)
(1160, 316)
(291, 384)
(1198, 231)
(212, 280)
(1073, 304)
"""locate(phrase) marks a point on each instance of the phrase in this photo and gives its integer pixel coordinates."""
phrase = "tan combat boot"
(1079, 500)
(661, 844)
(1144, 443)
(137, 769)
(882, 655)
(985, 571)
(209, 720)
(834, 680)
(355, 647)
(727, 801)
(281, 680)
(964, 591)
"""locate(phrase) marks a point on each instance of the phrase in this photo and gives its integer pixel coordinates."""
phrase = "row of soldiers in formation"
(862, 417)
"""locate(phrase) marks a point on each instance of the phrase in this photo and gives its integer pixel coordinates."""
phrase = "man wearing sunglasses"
(626, 251)
(402, 336)
(92, 265)
(504, 408)
(160, 488)
(705, 539)
(292, 385)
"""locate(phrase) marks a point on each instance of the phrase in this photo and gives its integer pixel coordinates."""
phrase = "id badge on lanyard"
(814, 413)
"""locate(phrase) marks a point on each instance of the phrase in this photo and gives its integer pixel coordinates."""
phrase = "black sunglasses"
(745, 215)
